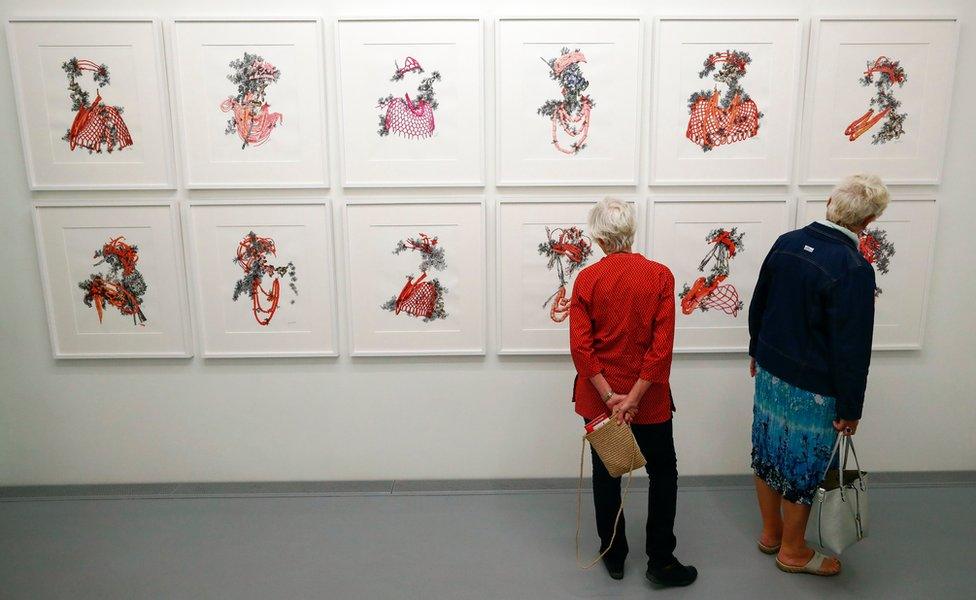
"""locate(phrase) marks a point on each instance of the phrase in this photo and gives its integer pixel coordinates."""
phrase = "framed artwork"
(899, 245)
(542, 244)
(264, 275)
(92, 102)
(415, 276)
(251, 102)
(878, 99)
(411, 107)
(567, 97)
(715, 248)
(113, 279)
(725, 100)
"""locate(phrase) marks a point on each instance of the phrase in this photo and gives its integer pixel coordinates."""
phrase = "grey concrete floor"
(515, 546)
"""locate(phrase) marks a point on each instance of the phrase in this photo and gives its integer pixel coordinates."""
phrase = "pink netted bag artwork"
(410, 119)
(406, 117)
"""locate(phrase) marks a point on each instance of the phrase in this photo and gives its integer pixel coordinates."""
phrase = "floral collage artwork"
(876, 98)
(421, 297)
(709, 291)
(718, 119)
(403, 116)
(96, 125)
(889, 74)
(877, 250)
(122, 287)
(252, 120)
(253, 255)
(568, 250)
(570, 115)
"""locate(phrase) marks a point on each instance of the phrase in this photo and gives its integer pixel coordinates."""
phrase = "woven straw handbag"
(616, 446)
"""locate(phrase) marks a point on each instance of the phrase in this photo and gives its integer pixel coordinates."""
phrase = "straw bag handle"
(620, 511)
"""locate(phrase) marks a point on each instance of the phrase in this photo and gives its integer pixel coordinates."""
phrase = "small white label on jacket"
(808, 248)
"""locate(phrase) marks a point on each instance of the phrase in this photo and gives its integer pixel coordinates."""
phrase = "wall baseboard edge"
(686, 483)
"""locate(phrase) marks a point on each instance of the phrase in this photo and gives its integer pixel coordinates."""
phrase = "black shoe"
(615, 567)
(673, 574)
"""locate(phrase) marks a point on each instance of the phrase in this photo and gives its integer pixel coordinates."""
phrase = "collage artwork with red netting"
(709, 292)
(421, 297)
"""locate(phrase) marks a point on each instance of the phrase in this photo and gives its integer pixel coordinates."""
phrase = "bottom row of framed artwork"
(264, 284)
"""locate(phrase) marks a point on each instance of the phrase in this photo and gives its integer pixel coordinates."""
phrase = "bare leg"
(772, 517)
(795, 551)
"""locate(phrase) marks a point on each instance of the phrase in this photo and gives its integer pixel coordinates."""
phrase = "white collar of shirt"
(840, 228)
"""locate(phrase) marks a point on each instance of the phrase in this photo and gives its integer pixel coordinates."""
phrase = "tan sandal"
(814, 566)
(768, 549)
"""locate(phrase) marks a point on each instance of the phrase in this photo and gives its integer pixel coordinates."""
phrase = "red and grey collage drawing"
(568, 250)
(405, 117)
(717, 119)
(570, 115)
(251, 117)
(96, 125)
(709, 291)
(421, 297)
(262, 280)
(121, 286)
(884, 74)
(877, 249)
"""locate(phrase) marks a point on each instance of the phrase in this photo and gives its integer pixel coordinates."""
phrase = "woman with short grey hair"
(621, 335)
(810, 326)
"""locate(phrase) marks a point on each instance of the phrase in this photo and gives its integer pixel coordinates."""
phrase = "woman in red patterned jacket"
(621, 328)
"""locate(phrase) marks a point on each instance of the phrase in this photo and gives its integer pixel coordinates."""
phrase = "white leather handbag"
(839, 515)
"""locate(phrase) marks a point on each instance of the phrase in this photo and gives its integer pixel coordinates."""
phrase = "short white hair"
(857, 198)
(613, 222)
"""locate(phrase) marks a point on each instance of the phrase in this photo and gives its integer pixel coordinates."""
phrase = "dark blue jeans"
(657, 444)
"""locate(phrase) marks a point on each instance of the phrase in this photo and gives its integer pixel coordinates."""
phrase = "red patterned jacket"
(621, 323)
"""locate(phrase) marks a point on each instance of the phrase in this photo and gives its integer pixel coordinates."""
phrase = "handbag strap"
(857, 464)
(830, 461)
(848, 444)
(620, 511)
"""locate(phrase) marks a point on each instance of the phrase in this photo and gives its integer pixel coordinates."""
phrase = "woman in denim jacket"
(810, 325)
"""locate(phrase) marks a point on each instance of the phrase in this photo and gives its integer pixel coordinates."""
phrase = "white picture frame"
(523, 278)
(291, 239)
(532, 149)
(223, 143)
(914, 63)
(67, 135)
(909, 226)
(678, 239)
(755, 148)
(145, 313)
(429, 321)
(430, 141)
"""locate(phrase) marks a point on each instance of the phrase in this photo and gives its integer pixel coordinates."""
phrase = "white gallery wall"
(313, 418)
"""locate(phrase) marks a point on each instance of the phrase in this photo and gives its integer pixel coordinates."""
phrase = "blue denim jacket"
(812, 315)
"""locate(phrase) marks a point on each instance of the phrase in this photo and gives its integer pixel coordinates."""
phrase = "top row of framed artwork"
(248, 101)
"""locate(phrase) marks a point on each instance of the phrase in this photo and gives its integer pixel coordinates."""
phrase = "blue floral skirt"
(792, 437)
